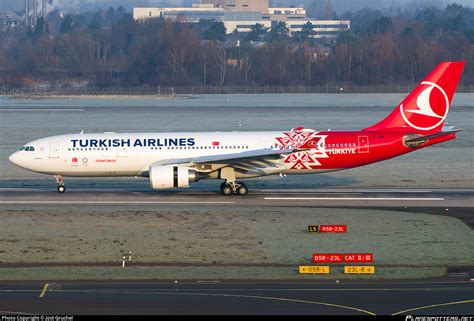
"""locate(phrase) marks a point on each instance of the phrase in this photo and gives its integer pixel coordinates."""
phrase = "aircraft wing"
(252, 162)
(258, 154)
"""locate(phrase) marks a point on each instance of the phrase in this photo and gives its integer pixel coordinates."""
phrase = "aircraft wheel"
(226, 189)
(61, 189)
(223, 185)
(242, 189)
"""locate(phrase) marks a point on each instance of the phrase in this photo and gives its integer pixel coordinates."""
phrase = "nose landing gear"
(59, 179)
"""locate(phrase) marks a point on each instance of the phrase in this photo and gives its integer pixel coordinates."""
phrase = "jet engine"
(163, 177)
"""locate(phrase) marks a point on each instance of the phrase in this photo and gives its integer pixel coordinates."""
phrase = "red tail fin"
(425, 109)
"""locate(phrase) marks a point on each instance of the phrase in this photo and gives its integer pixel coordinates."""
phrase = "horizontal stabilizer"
(426, 137)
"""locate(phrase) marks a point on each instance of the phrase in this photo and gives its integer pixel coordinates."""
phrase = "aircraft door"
(363, 144)
(54, 150)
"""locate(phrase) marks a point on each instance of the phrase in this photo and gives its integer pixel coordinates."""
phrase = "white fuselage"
(131, 154)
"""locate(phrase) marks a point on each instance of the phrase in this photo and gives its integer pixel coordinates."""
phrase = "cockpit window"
(32, 149)
(28, 148)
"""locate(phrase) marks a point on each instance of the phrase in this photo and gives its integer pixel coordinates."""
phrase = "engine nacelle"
(163, 177)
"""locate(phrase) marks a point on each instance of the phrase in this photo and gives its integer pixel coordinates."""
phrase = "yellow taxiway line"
(433, 306)
(45, 288)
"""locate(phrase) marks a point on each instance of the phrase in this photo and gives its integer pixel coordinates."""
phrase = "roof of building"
(9, 15)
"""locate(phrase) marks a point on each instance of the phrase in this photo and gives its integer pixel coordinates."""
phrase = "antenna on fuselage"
(82, 131)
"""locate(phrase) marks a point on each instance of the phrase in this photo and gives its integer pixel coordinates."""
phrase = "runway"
(458, 203)
(308, 197)
(450, 296)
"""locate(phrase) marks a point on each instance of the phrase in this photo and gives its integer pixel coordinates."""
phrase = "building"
(193, 14)
(240, 5)
(9, 19)
(243, 15)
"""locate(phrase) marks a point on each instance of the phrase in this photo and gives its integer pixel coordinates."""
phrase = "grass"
(226, 235)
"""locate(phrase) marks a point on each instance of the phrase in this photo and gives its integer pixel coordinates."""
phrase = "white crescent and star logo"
(424, 116)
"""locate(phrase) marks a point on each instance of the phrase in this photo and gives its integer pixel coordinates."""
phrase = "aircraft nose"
(16, 159)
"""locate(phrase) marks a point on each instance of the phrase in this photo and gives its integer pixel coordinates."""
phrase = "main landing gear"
(238, 188)
(60, 181)
(230, 186)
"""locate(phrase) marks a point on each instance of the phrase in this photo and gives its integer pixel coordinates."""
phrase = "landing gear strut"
(60, 181)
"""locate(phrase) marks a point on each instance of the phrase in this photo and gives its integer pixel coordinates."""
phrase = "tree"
(41, 28)
(209, 29)
(306, 32)
(397, 48)
(204, 58)
(120, 12)
(221, 63)
(382, 25)
(67, 25)
(407, 33)
(346, 37)
(248, 57)
(111, 13)
(96, 22)
(278, 32)
(215, 31)
(431, 22)
(362, 21)
(178, 49)
(257, 33)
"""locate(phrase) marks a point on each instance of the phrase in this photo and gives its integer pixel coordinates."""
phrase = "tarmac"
(457, 203)
(452, 295)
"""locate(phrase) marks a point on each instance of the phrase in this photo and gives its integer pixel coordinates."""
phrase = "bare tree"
(221, 63)
(248, 58)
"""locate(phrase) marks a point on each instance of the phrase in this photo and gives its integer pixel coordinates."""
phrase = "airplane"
(175, 160)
